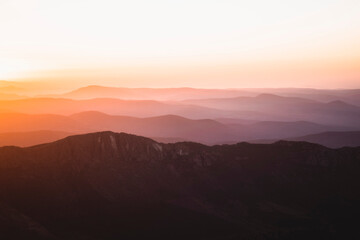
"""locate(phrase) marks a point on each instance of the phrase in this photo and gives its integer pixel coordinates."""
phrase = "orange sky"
(210, 44)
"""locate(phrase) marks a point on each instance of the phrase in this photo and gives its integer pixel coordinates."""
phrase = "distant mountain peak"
(338, 102)
(90, 113)
(105, 146)
(105, 134)
(268, 96)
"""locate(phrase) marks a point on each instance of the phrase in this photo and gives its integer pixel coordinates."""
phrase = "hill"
(160, 94)
(332, 139)
(18, 126)
(279, 108)
(135, 108)
(111, 186)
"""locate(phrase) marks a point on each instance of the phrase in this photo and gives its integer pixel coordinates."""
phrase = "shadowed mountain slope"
(332, 139)
(110, 186)
(335, 139)
(271, 129)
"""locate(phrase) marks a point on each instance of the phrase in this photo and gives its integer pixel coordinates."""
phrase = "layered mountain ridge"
(110, 185)
(16, 128)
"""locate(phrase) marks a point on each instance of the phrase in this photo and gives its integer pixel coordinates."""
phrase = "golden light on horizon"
(10, 68)
(174, 43)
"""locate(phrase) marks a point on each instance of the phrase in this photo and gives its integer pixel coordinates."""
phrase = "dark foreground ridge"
(117, 186)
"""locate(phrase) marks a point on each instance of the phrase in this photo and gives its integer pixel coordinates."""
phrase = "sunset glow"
(179, 119)
(182, 43)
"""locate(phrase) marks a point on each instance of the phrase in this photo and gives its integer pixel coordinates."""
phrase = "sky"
(196, 43)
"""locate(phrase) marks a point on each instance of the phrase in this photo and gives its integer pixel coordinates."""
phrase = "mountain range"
(177, 94)
(264, 107)
(38, 89)
(100, 162)
(118, 186)
(23, 129)
(288, 108)
(332, 139)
